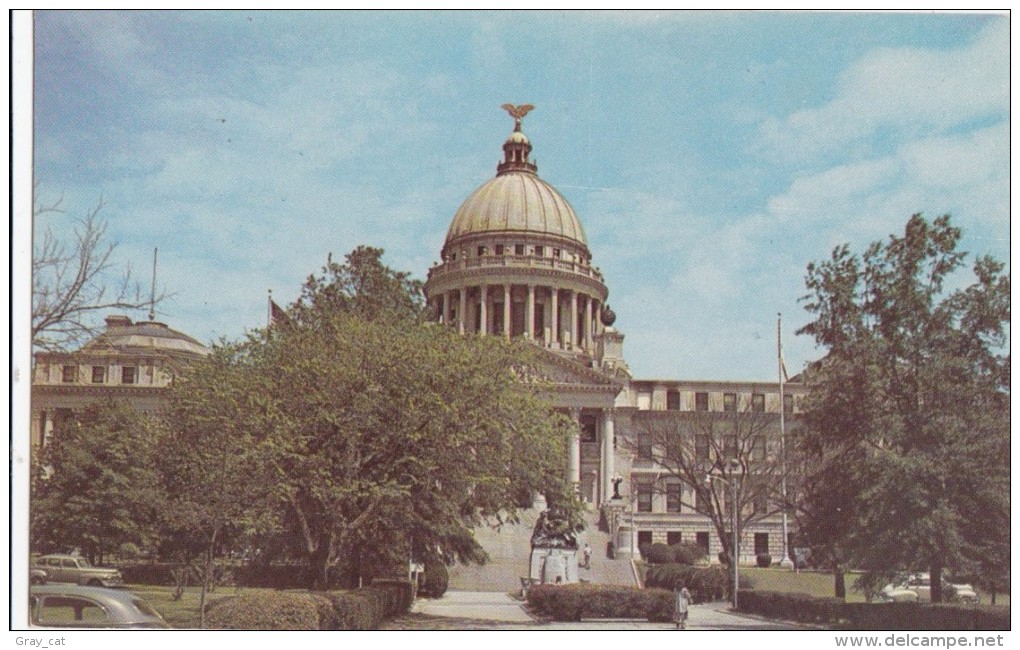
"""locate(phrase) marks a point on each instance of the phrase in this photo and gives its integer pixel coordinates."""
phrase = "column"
(447, 306)
(554, 294)
(573, 319)
(608, 454)
(483, 310)
(574, 450)
(462, 313)
(587, 323)
(507, 306)
(529, 314)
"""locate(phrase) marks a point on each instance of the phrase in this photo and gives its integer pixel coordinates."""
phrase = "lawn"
(183, 613)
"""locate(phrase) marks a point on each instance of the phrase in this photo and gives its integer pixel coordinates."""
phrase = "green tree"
(211, 461)
(907, 420)
(94, 487)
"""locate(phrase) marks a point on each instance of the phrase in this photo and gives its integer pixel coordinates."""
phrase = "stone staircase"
(509, 549)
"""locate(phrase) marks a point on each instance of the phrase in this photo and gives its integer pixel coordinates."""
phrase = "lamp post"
(732, 483)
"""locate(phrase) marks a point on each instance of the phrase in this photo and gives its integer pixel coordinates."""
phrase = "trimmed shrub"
(266, 610)
(437, 579)
(576, 601)
(688, 554)
(660, 554)
(764, 560)
(705, 583)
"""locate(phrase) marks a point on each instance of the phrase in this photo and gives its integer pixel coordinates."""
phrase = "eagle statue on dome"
(517, 112)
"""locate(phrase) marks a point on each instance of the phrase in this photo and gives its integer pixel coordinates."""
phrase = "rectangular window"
(761, 543)
(699, 502)
(482, 251)
(69, 374)
(674, 494)
(701, 539)
(98, 374)
(729, 402)
(556, 253)
(672, 400)
(539, 251)
(644, 496)
(518, 249)
(700, 401)
(788, 404)
(758, 448)
(761, 502)
(702, 444)
(644, 446)
(674, 537)
(730, 446)
(758, 402)
(644, 539)
(127, 375)
(500, 249)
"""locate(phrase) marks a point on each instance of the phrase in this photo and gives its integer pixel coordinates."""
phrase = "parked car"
(76, 569)
(917, 588)
(74, 606)
(37, 576)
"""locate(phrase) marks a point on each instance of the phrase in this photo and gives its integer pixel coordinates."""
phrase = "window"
(761, 543)
(127, 375)
(482, 251)
(556, 253)
(701, 540)
(500, 249)
(729, 402)
(701, 446)
(539, 251)
(69, 374)
(700, 401)
(730, 446)
(68, 611)
(453, 257)
(758, 402)
(644, 446)
(98, 374)
(674, 495)
(700, 502)
(788, 404)
(674, 537)
(761, 502)
(644, 539)
(672, 400)
(644, 496)
(518, 249)
(758, 447)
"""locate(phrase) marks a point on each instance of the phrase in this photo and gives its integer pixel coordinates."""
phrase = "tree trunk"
(318, 564)
(207, 573)
(935, 571)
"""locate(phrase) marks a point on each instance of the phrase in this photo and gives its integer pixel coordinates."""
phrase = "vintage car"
(37, 576)
(917, 588)
(76, 569)
(75, 606)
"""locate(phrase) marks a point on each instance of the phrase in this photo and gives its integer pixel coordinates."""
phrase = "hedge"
(436, 580)
(874, 616)
(705, 583)
(357, 609)
(267, 576)
(574, 602)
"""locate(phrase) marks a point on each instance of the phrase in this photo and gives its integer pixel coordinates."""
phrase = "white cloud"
(917, 90)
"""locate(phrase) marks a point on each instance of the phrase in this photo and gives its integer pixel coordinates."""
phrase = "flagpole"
(785, 562)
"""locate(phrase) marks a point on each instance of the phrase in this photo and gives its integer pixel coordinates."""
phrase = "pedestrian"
(587, 556)
(683, 600)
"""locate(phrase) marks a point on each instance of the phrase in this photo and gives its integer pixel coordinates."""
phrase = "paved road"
(462, 610)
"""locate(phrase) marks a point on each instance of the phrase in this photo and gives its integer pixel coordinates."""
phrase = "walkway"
(497, 611)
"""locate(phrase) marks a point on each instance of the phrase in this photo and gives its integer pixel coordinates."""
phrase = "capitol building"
(515, 263)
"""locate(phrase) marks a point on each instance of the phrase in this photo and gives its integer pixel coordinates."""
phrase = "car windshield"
(83, 563)
(145, 608)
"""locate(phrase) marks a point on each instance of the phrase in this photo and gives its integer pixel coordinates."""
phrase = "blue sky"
(710, 156)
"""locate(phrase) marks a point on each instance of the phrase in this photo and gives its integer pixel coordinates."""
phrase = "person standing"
(587, 556)
(683, 601)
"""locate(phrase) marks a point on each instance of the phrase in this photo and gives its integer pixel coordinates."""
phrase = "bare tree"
(72, 281)
(712, 453)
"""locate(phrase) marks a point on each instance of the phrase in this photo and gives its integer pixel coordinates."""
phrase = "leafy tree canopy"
(908, 411)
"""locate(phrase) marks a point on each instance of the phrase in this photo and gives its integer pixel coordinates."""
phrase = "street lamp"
(732, 482)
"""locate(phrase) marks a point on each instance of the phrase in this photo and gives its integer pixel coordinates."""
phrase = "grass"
(183, 613)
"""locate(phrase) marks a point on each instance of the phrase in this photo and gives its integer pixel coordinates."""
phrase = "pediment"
(564, 373)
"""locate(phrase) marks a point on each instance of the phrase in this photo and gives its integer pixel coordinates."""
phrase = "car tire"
(36, 580)
(95, 583)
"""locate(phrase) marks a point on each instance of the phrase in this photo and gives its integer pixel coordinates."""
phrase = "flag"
(782, 365)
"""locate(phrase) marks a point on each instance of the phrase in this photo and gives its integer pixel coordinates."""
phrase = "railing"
(516, 261)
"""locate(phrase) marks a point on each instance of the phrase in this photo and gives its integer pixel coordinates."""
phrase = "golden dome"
(516, 201)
